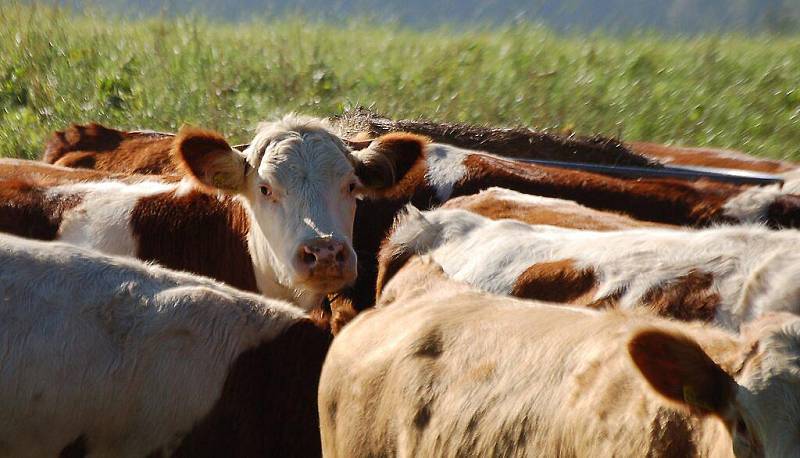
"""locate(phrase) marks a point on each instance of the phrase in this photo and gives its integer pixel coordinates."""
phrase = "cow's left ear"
(678, 369)
(387, 159)
(206, 156)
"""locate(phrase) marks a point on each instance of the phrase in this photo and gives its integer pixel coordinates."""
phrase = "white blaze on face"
(298, 183)
(301, 192)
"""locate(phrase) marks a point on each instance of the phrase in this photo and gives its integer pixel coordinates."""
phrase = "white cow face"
(757, 396)
(302, 190)
(766, 417)
(300, 183)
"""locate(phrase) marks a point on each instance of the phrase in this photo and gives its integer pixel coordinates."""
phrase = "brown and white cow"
(277, 218)
(440, 369)
(501, 203)
(724, 275)
(710, 157)
(450, 172)
(526, 143)
(94, 146)
(109, 356)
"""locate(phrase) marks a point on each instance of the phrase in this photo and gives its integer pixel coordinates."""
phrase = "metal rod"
(684, 172)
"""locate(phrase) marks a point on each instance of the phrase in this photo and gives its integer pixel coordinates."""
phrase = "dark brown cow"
(529, 144)
(98, 147)
(510, 142)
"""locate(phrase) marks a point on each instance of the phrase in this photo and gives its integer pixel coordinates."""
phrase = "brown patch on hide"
(268, 404)
(197, 232)
(686, 298)
(26, 210)
(556, 281)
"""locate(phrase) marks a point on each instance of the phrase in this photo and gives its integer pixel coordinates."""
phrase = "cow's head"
(755, 390)
(300, 183)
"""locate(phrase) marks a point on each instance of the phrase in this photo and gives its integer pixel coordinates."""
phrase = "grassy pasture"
(57, 67)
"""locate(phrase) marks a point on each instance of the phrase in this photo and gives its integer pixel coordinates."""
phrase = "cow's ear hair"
(678, 369)
(207, 157)
(387, 160)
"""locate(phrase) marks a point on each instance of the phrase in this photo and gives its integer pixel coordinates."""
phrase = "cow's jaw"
(274, 277)
(264, 261)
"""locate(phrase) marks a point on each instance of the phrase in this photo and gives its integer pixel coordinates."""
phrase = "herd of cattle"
(173, 295)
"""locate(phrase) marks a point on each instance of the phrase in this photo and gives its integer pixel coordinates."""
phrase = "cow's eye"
(266, 191)
(741, 427)
(352, 187)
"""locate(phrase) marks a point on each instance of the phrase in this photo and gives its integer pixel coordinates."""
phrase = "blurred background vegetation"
(683, 16)
(722, 73)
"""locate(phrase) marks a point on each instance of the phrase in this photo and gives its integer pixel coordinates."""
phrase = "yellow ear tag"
(691, 398)
(219, 180)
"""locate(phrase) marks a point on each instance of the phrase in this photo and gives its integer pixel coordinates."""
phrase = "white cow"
(109, 356)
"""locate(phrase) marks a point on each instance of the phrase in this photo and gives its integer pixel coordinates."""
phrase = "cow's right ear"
(388, 159)
(678, 369)
(207, 157)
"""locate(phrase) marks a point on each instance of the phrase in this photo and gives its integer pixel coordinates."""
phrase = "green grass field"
(57, 68)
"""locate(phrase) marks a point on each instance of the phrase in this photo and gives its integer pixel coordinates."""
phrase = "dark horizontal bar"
(684, 172)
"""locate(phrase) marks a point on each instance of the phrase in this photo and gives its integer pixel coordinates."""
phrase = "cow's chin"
(309, 294)
(327, 285)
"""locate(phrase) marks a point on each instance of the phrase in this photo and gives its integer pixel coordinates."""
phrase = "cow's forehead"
(300, 156)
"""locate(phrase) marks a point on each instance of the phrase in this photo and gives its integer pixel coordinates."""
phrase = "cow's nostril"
(309, 258)
(340, 256)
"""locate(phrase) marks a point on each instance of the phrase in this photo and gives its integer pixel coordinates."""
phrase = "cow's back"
(97, 147)
(500, 203)
(473, 376)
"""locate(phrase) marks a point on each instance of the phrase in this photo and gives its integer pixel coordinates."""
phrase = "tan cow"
(440, 369)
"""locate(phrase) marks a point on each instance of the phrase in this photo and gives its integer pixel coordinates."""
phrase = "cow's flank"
(556, 281)
(207, 224)
(724, 275)
(27, 210)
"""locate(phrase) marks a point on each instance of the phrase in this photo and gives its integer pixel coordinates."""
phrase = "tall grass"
(57, 67)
